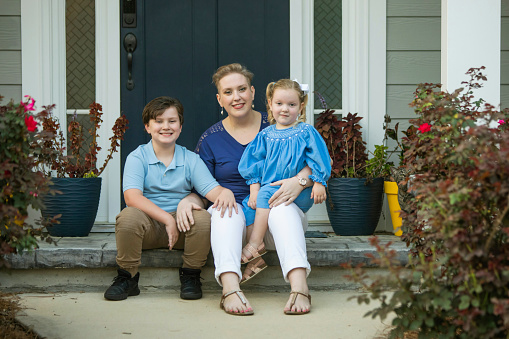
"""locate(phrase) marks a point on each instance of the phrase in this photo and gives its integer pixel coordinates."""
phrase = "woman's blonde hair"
(286, 84)
(230, 69)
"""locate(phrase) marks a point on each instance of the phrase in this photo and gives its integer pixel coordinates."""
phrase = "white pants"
(287, 225)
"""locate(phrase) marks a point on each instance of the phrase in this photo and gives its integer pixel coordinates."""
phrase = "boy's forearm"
(214, 193)
(195, 199)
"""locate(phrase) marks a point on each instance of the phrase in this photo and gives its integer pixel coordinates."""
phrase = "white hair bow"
(303, 87)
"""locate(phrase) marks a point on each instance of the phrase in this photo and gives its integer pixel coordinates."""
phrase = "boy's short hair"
(157, 106)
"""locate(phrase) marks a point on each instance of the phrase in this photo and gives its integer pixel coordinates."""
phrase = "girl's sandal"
(293, 296)
(242, 299)
(252, 269)
(255, 252)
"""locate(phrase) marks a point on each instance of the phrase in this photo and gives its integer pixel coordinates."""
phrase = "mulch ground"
(10, 328)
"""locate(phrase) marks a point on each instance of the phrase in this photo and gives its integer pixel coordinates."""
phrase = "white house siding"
(10, 50)
(504, 56)
(413, 53)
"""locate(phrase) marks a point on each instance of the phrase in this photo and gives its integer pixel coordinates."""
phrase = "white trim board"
(363, 65)
(44, 76)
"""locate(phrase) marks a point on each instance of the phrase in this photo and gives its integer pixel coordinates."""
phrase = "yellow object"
(391, 189)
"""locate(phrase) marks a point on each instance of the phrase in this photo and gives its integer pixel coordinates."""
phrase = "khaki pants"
(136, 231)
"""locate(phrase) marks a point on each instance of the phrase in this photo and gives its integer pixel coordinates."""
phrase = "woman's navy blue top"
(221, 153)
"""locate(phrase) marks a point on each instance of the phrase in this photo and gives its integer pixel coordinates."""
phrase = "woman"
(221, 148)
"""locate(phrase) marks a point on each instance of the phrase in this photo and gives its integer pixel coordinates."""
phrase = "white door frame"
(44, 76)
(363, 65)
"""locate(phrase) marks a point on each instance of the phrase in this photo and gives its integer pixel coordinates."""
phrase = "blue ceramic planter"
(356, 207)
(78, 205)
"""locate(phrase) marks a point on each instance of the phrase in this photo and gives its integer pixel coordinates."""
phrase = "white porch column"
(471, 38)
(43, 53)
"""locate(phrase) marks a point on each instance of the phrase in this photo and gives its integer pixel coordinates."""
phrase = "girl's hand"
(171, 230)
(252, 200)
(224, 201)
(185, 213)
(318, 193)
(287, 193)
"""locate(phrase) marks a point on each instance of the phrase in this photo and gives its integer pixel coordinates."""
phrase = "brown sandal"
(252, 269)
(255, 252)
(242, 299)
(293, 295)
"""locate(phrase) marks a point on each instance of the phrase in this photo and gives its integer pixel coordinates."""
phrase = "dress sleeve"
(317, 157)
(253, 159)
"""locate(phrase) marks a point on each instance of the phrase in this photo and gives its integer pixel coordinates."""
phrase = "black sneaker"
(123, 286)
(190, 287)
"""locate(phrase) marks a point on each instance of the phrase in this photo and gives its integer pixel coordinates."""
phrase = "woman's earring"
(221, 110)
(252, 106)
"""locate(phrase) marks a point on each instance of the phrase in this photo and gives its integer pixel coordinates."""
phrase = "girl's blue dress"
(277, 154)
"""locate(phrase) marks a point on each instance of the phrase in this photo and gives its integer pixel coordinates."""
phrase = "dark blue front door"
(179, 45)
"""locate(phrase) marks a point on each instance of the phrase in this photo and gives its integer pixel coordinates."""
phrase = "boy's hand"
(185, 214)
(172, 231)
(224, 201)
(318, 193)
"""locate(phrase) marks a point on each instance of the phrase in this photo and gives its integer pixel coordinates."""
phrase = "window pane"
(327, 72)
(80, 53)
(80, 64)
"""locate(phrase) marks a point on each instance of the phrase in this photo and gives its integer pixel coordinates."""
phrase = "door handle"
(130, 47)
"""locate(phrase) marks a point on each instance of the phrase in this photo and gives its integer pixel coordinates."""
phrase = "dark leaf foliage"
(347, 149)
(457, 223)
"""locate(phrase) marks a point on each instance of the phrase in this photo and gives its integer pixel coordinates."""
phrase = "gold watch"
(302, 181)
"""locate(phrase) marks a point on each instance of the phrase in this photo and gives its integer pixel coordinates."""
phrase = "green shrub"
(456, 284)
(21, 181)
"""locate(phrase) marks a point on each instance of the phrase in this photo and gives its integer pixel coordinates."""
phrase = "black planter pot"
(78, 205)
(356, 207)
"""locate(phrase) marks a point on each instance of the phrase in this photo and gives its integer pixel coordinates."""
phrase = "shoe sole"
(190, 296)
(121, 296)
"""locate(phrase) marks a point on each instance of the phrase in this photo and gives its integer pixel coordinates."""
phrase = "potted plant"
(355, 189)
(75, 175)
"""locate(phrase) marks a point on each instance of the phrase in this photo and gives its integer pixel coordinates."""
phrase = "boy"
(157, 176)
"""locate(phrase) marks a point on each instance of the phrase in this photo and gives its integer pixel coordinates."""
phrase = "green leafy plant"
(21, 149)
(456, 284)
(347, 149)
(78, 164)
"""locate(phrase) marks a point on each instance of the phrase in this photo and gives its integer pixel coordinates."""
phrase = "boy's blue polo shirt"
(166, 186)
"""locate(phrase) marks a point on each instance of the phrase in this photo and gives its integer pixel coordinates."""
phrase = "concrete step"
(87, 263)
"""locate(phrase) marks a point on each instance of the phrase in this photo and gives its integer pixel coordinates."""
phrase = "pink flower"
(501, 122)
(29, 105)
(30, 123)
(424, 128)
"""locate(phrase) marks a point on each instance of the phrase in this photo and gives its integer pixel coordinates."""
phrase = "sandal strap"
(241, 297)
(294, 294)
(250, 248)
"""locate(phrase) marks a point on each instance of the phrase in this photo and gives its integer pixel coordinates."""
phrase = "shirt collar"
(178, 157)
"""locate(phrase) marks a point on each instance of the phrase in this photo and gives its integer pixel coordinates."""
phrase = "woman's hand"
(318, 193)
(225, 201)
(171, 230)
(185, 211)
(287, 193)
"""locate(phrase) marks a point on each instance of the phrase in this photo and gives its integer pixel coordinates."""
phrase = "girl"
(279, 152)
